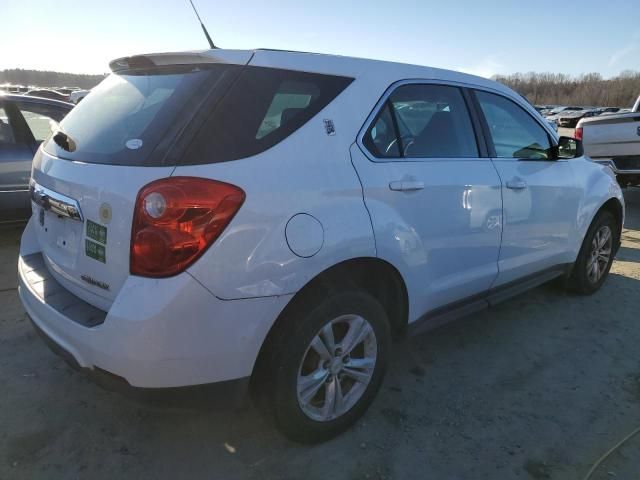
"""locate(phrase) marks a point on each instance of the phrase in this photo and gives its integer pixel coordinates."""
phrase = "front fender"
(599, 185)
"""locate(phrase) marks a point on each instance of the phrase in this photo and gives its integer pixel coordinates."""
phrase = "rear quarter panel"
(309, 172)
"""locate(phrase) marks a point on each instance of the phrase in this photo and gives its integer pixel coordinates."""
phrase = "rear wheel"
(596, 255)
(330, 361)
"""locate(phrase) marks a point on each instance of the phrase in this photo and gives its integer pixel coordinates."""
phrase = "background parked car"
(555, 113)
(612, 110)
(46, 93)
(24, 123)
(77, 95)
(609, 110)
(614, 140)
(545, 109)
(571, 118)
(66, 90)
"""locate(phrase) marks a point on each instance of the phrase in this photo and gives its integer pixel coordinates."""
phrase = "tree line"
(39, 78)
(586, 90)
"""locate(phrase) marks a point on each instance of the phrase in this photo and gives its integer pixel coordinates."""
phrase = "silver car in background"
(24, 123)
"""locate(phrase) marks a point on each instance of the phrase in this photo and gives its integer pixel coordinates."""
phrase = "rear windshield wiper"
(64, 141)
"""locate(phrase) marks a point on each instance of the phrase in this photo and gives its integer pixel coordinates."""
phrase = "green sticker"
(95, 251)
(96, 232)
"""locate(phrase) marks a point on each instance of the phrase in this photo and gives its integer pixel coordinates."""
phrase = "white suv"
(271, 220)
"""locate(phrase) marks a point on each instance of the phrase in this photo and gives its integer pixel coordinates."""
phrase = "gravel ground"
(538, 388)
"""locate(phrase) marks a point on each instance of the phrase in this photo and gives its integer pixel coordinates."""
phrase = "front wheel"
(331, 359)
(596, 255)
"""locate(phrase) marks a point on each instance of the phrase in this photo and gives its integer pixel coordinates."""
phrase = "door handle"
(59, 204)
(516, 184)
(406, 186)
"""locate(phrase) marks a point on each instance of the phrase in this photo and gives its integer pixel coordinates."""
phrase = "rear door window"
(423, 121)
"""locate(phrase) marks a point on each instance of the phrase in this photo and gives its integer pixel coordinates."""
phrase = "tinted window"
(262, 107)
(6, 132)
(128, 114)
(432, 120)
(290, 99)
(42, 119)
(514, 132)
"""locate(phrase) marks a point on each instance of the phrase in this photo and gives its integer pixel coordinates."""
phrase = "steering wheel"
(407, 141)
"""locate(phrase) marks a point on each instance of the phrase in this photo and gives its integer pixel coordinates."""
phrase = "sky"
(480, 37)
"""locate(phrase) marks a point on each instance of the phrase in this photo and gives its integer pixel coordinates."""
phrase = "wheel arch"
(374, 275)
(614, 206)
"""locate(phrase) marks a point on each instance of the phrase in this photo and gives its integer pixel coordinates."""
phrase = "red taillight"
(578, 133)
(176, 219)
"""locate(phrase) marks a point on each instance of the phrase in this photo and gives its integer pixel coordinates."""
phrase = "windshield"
(127, 115)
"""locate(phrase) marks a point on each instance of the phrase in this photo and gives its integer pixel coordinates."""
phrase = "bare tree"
(587, 90)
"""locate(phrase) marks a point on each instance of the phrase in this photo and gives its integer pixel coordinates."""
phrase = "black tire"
(579, 281)
(288, 348)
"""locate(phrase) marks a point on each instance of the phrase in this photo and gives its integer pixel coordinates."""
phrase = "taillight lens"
(578, 133)
(176, 219)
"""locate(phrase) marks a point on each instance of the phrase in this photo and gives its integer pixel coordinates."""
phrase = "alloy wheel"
(600, 254)
(336, 368)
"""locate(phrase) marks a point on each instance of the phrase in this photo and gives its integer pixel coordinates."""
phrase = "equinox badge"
(94, 282)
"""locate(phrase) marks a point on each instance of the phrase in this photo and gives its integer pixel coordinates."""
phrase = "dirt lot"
(537, 388)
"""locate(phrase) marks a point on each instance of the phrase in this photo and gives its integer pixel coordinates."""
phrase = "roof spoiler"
(235, 57)
(127, 63)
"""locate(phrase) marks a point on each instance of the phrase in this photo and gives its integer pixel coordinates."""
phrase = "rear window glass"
(128, 114)
(134, 117)
(291, 98)
(263, 107)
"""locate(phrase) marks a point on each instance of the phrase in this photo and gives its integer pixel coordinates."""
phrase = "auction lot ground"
(538, 387)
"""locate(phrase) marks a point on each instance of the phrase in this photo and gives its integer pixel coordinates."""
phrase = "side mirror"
(567, 147)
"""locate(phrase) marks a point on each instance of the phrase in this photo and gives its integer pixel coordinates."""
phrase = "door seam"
(502, 224)
(364, 202)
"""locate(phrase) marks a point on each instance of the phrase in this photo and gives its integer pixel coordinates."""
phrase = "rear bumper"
(230, 393)
(158, 333)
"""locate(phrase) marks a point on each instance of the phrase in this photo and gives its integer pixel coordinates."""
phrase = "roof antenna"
(204, 29)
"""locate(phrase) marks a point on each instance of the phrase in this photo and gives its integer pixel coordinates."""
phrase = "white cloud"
(487, 67)
(623, 52)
